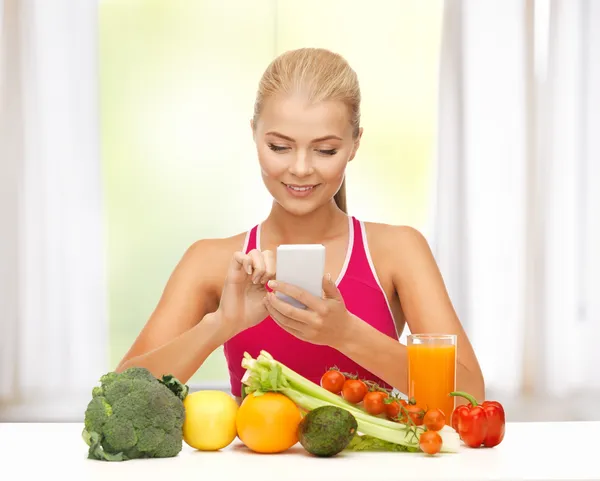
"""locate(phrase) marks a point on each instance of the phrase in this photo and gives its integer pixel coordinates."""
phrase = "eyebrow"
(320, 139)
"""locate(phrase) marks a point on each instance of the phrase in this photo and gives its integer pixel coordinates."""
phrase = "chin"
(298, 208)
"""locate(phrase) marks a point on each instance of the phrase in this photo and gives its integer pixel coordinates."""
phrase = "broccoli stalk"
(135, 415)
(96, 451)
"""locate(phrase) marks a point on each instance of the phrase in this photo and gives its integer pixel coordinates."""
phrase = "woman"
(306, 127)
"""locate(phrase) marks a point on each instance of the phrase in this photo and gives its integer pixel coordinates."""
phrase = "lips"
(300, 190)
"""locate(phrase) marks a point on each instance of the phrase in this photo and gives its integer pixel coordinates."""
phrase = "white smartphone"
(302, 265)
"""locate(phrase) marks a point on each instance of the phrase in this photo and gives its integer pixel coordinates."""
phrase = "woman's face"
(303, 150)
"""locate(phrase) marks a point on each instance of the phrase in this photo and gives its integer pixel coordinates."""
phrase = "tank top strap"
(361, 265)
(358, 255)
(251, 239)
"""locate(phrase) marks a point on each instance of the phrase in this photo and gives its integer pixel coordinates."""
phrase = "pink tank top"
(364, 297)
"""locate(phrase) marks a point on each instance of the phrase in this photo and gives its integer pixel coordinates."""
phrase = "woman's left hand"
(325, 321)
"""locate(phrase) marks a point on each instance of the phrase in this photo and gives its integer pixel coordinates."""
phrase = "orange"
(268, 423)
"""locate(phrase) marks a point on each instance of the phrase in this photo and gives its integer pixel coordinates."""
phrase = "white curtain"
(52, 283)
(517, 231)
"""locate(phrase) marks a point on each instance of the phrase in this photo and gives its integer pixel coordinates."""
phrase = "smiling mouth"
(300, 188)
(300, 191)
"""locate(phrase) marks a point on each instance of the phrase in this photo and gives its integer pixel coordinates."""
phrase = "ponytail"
(340, 198)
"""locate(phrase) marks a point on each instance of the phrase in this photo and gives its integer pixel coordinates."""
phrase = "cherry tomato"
(354, 390)
(434, 419)
(392, 409)
(333, 381)
(374, 402)
(430, 442)
(416, 413)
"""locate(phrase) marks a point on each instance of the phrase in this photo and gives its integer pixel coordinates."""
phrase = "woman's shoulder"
(392, 233)
(399, 242)
(214, 253)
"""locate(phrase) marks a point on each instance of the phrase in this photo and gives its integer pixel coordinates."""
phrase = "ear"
(356, 144)
(252, 128)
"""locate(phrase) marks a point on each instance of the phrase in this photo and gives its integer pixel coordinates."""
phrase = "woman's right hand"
(244, 290)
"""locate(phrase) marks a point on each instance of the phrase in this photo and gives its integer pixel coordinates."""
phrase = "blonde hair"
(320, 75)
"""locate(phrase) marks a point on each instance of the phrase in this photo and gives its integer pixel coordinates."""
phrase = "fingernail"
(272, 284)
(249, 270)
(329, 277)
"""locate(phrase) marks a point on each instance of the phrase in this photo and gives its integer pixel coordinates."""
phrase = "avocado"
(327, 430)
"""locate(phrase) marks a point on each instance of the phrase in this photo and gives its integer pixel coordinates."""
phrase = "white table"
(532, 451)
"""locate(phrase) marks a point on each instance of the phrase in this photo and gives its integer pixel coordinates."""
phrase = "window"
(178, 81)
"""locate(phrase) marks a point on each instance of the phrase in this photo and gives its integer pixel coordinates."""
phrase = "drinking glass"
(432, 371)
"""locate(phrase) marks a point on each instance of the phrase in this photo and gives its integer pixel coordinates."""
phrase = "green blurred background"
(178, 80)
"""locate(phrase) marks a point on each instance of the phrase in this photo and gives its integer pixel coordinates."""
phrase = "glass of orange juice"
(432, 371)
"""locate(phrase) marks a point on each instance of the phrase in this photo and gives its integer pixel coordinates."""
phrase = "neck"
(286, 228)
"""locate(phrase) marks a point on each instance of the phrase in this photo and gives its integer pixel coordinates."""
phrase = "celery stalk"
(265, 374)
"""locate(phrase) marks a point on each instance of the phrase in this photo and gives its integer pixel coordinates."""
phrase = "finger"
(330, 290)
(258, 264)
(291, 330)
(242, 261)
(269, 259)
(299, 315)
(312, 302)
(291, 325)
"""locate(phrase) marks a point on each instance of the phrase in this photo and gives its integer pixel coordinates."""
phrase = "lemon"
(210, 420)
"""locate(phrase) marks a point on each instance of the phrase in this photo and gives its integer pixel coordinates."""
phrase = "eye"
(328, 152)
(277, 148)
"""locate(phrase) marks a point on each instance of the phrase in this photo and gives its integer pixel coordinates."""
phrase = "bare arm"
(184, 329)
(427, 308)
(390, 363)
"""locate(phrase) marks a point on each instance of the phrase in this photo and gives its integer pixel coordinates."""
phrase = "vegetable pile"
(135, 415)
(379, 425)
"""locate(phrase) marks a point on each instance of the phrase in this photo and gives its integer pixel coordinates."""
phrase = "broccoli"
(135, 415)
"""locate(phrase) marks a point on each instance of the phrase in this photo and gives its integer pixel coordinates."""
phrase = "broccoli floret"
(139, 373)
(135, 415)
(170, 445)
(108, 379)
(149, 439)
(97, 413)
(119, 434)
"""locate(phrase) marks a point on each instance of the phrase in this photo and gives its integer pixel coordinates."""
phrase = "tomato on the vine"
(392, 409)
(415, 413)
(373, 402)
(354, 390)
(434, 420)
(333, 381)
(430, 442)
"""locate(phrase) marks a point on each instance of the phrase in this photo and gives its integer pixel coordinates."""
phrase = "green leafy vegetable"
(362, 442)
(135, 415)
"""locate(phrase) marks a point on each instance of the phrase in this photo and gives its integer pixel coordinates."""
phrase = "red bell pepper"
(479, 424)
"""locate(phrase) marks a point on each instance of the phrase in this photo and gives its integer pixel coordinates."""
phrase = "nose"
(301, 165)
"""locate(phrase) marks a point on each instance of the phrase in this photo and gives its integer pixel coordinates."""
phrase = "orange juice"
(432, 374)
